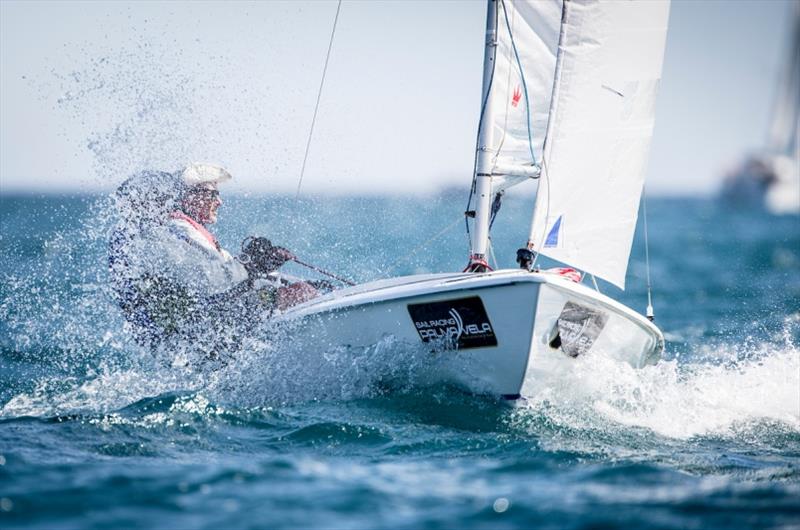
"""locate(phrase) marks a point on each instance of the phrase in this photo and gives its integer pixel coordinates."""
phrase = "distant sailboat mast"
(782, 138)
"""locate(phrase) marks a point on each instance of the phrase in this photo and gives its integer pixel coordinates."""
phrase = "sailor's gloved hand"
(260, 257)
(294, 294)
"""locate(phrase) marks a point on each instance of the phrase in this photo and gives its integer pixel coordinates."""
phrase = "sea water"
(95, 433)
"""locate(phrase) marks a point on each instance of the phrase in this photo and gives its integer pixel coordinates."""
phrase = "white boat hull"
(500, 328)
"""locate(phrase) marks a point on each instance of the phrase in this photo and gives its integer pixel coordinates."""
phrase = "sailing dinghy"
(568, 99)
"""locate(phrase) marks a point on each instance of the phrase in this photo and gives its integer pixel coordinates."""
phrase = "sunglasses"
(206, 193)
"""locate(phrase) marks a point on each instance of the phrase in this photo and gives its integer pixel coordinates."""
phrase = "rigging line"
(319, 96)
(419, 247)
(496, 203)
(524, 84)
(650, 314)
(545, 172)
(491, 254)
(478, 138)
(508, 104)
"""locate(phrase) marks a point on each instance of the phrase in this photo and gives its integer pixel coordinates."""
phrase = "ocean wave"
(728, 389)
(726, 393)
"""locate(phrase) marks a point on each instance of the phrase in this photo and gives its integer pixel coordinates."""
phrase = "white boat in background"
(568, 98)
(772, 177)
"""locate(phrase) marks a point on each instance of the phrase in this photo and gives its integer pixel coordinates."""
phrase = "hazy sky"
(92, 91)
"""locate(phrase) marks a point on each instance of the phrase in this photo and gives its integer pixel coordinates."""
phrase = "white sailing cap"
(197, 174)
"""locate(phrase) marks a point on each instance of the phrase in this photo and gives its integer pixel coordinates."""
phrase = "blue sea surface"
(96, 434)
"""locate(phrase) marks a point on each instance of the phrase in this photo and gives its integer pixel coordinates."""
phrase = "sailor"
(172, 277)
(143, 204)
(213, 269)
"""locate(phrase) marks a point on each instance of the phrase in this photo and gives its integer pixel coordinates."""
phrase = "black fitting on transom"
(525, 258)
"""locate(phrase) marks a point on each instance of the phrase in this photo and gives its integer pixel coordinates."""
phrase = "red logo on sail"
(517, 95)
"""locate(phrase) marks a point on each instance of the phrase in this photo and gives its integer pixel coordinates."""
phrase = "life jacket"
(201, 230)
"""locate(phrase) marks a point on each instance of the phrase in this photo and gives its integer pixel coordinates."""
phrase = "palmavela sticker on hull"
(462, 322)
(577, 328)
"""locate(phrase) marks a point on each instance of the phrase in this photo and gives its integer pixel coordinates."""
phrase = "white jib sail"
(522, 84)
(598, 138)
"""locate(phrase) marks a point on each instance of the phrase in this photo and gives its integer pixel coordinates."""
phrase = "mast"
(485, 154)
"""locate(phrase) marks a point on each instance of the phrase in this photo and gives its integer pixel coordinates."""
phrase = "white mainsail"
(599, 128)
(521, 86)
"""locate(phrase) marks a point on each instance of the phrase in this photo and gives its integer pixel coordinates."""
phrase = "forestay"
(600, 125)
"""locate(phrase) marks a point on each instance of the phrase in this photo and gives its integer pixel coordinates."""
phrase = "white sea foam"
(263, 373)
(107, 389)
(737, 386)
(282, 371)
(678, 399)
